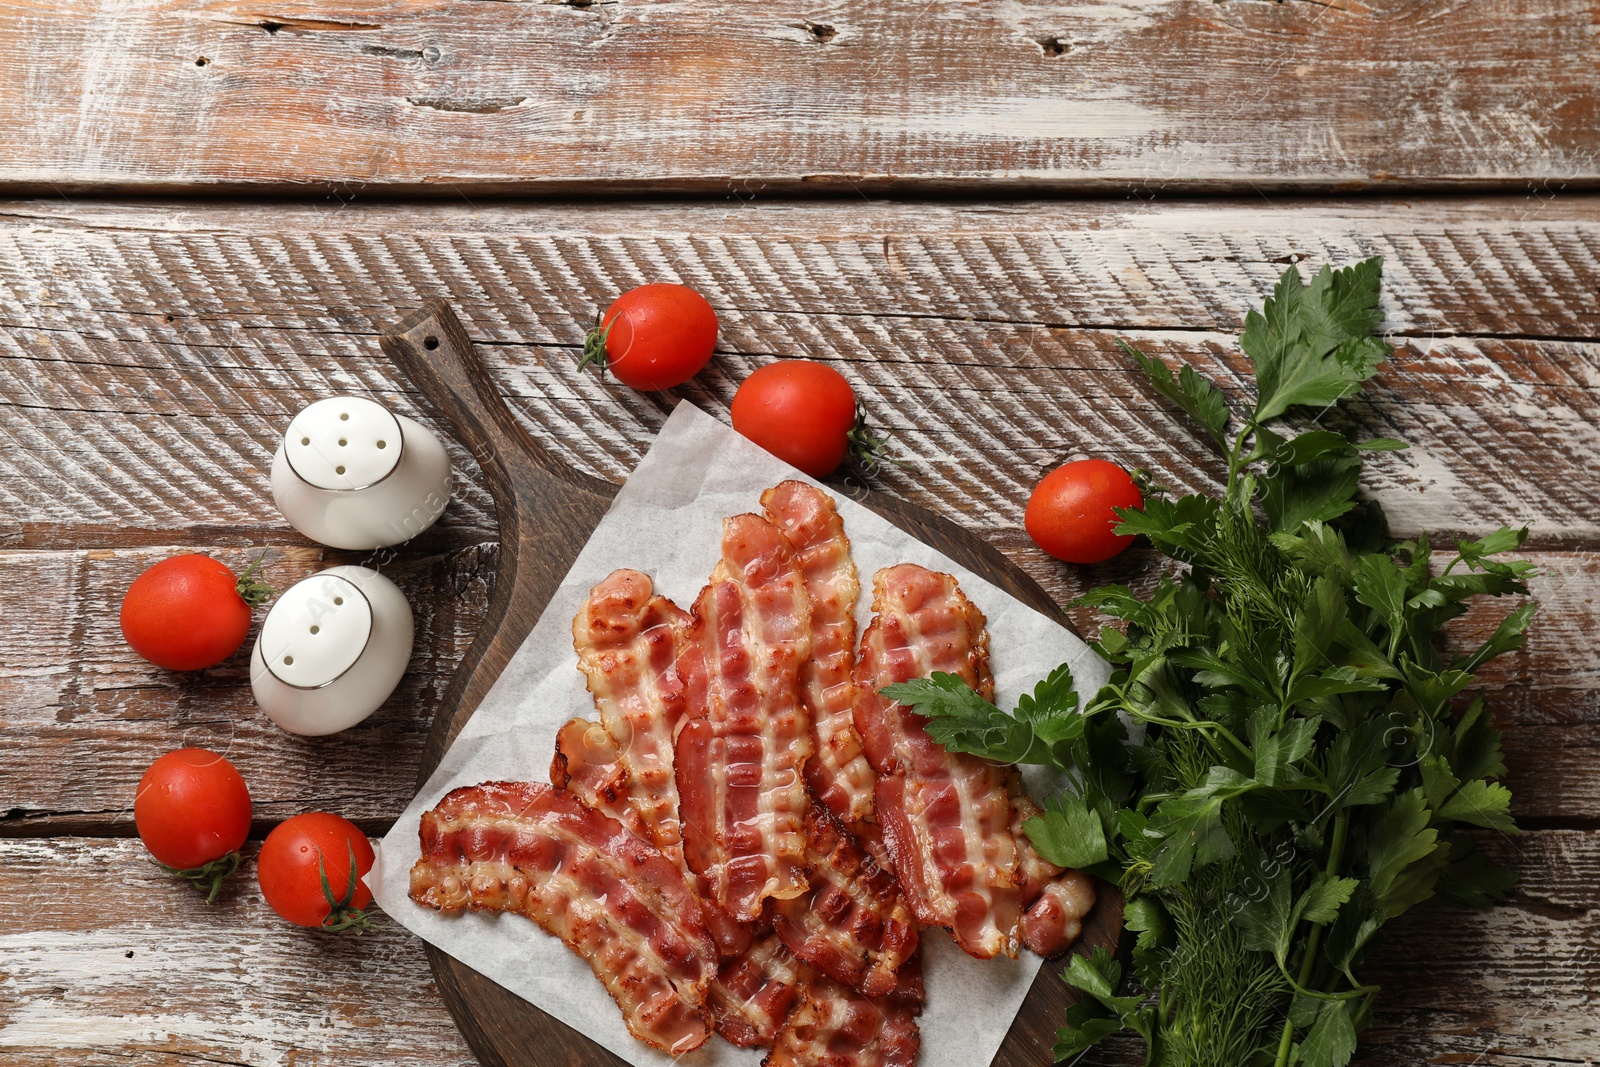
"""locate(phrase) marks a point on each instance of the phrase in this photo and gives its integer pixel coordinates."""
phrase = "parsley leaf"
(1194, 394)
(963, 721)
(1312, 344)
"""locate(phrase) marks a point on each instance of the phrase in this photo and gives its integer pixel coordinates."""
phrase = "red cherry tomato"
(654, 337)
(295, 857)
(801, 412)
(192, 812)
(189, 612)
(1070, 516)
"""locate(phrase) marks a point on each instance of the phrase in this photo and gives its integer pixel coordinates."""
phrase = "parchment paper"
(667, 522)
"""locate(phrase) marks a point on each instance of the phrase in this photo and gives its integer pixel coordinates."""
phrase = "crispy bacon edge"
(627, 639)
(742, 797)
(611, 898)
(838, 771)
(852, 925)
(1057, 899)
(947, 818)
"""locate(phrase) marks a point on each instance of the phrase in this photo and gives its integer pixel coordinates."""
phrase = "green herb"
(1308, 764)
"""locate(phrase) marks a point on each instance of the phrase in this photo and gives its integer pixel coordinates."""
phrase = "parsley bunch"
(1304, 763)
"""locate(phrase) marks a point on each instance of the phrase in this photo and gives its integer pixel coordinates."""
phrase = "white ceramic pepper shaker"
(352, 474)
(331, 650)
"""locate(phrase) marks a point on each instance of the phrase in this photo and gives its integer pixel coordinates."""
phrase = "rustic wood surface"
(451, 98)
(153, 351)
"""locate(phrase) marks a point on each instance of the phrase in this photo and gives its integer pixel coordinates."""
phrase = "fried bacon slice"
(838, 771)
(1057, 898)
(627, 640)
(1054, 919)
(852, 925)
(753, 992)
(610, 897)
(588, 765)
(742, 797)
(835, 1026)
(947, 818)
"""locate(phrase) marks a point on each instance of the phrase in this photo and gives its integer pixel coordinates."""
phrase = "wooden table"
(216, 206)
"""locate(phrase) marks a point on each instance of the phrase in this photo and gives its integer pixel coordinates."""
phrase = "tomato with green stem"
(189, 612)
(807, 415)
(310, 871)
(653, 337)
(192, 811)
(1072, 512)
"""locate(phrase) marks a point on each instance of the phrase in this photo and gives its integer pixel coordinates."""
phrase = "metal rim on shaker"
(399, 458)
(364, 645)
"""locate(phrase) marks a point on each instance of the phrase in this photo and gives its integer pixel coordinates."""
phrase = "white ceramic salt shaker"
(352, 474)
(331, 650)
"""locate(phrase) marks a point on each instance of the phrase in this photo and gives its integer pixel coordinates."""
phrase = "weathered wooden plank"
(1511, 986)
(85, 715)
(155, 352)
(424, 95)
(131, 968)
(69, 683)
(1504, 988)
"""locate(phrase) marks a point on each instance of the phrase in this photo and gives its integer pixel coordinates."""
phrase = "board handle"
(545, 511)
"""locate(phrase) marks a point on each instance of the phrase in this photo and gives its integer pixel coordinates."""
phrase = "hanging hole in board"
(430, 342)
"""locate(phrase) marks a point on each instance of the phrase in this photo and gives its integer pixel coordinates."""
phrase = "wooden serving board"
(546, 513)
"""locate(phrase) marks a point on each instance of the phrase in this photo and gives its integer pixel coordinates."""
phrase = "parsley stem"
(1341, 833)
(1203, 725)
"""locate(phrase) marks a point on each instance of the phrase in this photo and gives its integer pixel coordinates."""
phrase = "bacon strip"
(754, 992)
(834, 1026)
(588, 765)
(1055, 919)
(946, 817)
(1057, 898)
(627, 641)
(838, 771)
(852, 926)
(614, 900)
(742, 799)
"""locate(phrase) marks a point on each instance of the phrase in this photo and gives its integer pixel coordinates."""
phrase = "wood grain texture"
(450, 98)
(144, 974)
(1513, 987)
(68, 682)
(151, 352)
(154, 353)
